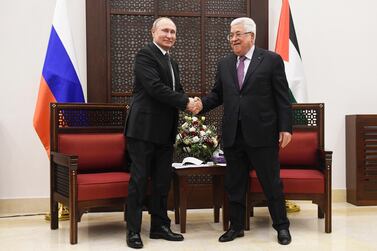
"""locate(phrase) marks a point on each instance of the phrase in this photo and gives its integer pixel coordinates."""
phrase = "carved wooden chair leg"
(54, 215)
(328, 216)
(73, 217)
(328, 222)
(321, 214)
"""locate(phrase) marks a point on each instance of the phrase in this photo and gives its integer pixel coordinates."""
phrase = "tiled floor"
(354, 228)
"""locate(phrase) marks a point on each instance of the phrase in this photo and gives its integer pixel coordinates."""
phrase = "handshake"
(194, 105)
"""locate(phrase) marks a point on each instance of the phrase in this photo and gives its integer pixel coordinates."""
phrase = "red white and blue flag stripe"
(60, 81)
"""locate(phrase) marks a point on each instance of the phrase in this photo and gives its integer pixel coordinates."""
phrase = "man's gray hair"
(247, 23)
(154, 25)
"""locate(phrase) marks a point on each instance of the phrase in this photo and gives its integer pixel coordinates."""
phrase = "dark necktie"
(171, 69)
(240, 71)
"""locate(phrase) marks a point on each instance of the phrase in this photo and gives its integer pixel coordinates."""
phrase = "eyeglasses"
(236, 35)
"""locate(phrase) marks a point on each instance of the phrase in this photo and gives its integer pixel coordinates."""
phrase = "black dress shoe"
(284, 237)
(164, 232)
(230, 235)
(134, 240)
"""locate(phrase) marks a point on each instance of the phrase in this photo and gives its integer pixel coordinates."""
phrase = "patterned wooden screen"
(117, 29)
(202, 27)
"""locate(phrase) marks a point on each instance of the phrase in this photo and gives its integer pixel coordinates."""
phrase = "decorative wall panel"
(128, 35)
(217, 46)
(133, 5)
(201, 39)
(187, 52)
(176, 6)
(117, 29)
(226, 7)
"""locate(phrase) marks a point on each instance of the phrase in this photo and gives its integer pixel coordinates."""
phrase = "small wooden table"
(180, 182)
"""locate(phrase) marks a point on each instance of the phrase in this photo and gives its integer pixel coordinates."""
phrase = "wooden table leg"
(183, 187)
(216, 192)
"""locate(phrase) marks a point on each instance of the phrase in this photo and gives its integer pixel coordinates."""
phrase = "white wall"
(337, 41)
(24, 32)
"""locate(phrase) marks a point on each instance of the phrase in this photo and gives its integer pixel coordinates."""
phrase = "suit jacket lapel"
(254, 63)
(164, 62)
(233, 70)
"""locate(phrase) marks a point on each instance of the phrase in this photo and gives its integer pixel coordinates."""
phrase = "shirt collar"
(249, 54)
(162, 50)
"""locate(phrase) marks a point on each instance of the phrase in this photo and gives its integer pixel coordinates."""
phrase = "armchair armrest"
(325, 160)
(69, 161)
(63, 174)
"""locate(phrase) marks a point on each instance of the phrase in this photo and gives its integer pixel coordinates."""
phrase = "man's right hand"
(198, 105)
(194, 105)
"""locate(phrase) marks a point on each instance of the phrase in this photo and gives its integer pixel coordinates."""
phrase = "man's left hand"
(284, 139)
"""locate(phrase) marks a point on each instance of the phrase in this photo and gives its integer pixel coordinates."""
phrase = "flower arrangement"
(196, 139)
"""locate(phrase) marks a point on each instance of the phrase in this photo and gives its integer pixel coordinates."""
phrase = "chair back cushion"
(301, 151)
(96, 151)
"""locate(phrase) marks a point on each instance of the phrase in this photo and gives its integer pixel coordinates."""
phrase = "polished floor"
(354, 228)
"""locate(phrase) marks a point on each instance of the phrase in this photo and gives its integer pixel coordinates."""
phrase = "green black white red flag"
(287, 48)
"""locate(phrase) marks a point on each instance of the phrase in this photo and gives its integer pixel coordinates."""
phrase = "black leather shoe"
(164, 232)
(230, 235)
(134, 240)
(284, 237)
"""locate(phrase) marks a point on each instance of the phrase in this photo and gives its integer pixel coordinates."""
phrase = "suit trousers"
(149, 160)
(240, 159)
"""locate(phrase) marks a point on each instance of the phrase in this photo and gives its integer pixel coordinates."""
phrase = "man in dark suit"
(252, 86)
(151, 128)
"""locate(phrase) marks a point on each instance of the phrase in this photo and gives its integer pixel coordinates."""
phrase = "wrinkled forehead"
(165, 24)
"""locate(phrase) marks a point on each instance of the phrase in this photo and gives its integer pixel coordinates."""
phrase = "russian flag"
(287, 48)
(59, 81)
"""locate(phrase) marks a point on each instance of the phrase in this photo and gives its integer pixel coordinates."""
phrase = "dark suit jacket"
(153, 115)
(262, 106)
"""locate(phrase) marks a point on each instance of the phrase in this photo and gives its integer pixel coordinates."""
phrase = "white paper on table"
(186, 165)
(181, 165)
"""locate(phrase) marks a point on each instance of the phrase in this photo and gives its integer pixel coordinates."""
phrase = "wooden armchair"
(305, 165)
(87, 162)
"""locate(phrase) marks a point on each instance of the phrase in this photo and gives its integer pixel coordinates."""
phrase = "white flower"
(202, 133)
(194, 119)
(187, 149)
(204, 127)
(195, 139)
(192, 129)
(215, 142)
(184, 125)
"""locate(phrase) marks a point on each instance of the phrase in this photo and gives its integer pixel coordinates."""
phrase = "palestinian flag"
(287, 47)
